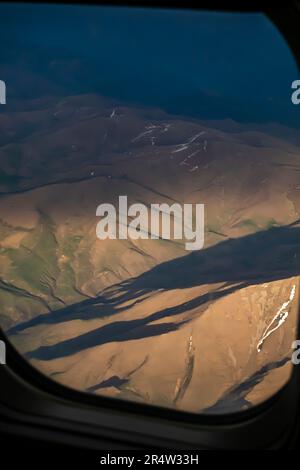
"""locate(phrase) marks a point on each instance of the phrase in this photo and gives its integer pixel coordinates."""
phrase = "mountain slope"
(145, 319)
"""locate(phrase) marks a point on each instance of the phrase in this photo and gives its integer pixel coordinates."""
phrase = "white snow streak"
(280, 317)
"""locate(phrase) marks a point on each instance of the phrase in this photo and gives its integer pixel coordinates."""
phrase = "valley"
(146, 320)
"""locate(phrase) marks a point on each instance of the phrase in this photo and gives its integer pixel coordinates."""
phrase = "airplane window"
(149, 202)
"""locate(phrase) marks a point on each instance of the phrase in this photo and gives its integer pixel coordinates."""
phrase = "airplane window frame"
(33, 404)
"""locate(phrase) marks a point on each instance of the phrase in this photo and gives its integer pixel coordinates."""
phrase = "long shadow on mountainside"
(258, 258)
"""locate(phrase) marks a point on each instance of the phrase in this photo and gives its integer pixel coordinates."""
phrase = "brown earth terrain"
(147, 320)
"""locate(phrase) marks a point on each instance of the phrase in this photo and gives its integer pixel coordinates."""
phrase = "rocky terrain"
(208, 331)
